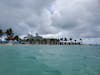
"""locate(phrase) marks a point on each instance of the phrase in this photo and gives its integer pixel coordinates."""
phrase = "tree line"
(10, 33)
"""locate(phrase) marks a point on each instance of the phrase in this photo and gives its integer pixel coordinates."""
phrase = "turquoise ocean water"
(50, 60)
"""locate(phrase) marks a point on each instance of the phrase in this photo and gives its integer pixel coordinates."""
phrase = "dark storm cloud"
(76, 18)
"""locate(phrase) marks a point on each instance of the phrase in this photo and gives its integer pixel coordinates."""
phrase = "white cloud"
(70, 18)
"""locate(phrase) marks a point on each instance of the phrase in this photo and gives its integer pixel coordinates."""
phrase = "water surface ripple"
(50, 60)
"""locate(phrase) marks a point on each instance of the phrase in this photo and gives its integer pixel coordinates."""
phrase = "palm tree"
(65, 39)
(1, 32)
(70, 39)
(16, 38)
(80, 41)
(9, 32)
(61, 39)
(75, 41)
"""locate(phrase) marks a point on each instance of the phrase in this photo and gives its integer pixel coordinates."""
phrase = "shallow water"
(50, 60)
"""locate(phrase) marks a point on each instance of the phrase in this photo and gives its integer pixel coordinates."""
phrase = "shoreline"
(48, 45)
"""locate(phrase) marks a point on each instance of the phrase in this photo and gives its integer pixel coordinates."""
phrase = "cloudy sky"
(70, 18)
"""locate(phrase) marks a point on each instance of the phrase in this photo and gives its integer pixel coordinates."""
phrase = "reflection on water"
(49, 60)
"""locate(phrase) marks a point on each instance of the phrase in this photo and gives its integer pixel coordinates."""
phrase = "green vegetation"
(30, 39)
(1, 32)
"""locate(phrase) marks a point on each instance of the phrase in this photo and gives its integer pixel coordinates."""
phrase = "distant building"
(30, 39)
(10, 38)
